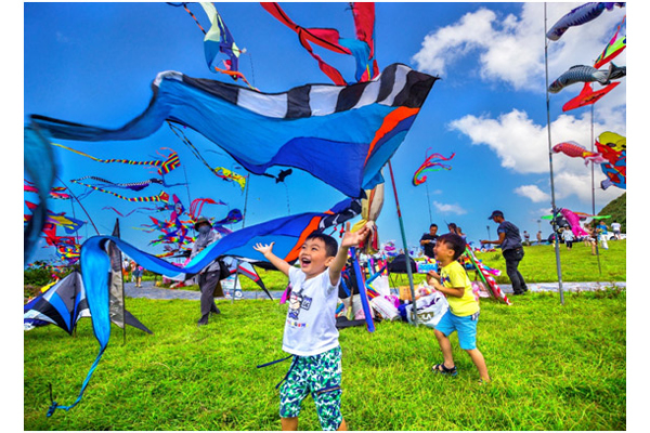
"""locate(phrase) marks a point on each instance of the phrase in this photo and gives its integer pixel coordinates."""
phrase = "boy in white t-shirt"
(310, 333)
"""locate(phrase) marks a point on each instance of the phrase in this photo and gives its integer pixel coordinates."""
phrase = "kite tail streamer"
(54, 405)
(156, 163)
(166, 166)
(96, 264)
(163, 196)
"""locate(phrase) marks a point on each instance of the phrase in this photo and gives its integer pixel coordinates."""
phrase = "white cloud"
(522, 146)
(533, 192)
(449, 208)
(511, 49)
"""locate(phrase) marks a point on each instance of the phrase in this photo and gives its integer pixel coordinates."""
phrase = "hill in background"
(617, 209)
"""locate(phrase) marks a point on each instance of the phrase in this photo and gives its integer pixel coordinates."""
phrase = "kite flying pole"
(550, 161)
(406, 248)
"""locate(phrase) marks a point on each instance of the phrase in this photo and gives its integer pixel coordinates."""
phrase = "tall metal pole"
(406, 248)
(550, 162)
(593, 188)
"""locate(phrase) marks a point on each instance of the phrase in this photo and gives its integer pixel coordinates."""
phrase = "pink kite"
(574, 221)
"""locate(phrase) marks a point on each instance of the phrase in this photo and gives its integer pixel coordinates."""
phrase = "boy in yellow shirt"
(463, 312)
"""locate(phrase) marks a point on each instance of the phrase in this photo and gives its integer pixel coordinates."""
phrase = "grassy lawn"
(554, 368)
(539, 263)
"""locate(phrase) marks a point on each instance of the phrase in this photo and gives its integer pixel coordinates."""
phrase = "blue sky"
(94, 63)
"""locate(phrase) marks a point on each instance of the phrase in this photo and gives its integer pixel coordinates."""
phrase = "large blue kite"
(343, 135)
(288, 233)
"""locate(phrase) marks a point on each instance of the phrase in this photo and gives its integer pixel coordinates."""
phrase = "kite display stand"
(487, 279)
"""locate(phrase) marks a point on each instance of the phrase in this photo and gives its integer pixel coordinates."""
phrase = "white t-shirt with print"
(310, 328)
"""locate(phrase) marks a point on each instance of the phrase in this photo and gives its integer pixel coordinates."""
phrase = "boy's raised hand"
(267, 252)
(264, 249)
(353, 239)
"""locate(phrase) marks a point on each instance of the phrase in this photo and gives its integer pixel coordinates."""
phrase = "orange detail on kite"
(390, 122)
(313, 225)
(235, 75)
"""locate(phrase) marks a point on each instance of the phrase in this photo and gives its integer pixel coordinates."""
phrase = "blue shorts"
(465, 325)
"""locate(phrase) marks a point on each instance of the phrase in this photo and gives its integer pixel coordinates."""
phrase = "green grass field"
(554, 367)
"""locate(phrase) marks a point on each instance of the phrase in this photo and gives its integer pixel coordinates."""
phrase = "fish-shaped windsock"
(580, 15)
(585, 74)
(616, 72)
(574, 150)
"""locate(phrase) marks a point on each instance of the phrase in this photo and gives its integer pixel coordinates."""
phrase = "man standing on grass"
(428, 241)
(512, 249)
(208, 276)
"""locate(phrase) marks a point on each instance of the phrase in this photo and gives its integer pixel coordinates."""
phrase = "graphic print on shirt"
(444, 278)
(295, 300)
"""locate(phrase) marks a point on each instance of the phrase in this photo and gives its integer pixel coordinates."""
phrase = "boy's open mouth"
(305, 261)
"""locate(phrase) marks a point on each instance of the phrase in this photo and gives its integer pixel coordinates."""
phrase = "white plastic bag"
(381, 285)
(431, 308)
(385, 308)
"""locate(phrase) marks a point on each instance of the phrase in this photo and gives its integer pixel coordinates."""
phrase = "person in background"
(592, 239)
(136, 273)
(132, 266)
(568, 237)
(428, 241)
(603, 234)
(125, 269)
(208, 276)
(539, 237)
(527, 238)
(616, 228)
(512, 250)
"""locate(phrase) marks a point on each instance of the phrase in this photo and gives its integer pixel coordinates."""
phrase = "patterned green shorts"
(319, 375)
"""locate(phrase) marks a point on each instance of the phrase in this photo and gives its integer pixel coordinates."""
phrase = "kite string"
(79, 202)
(188, 143)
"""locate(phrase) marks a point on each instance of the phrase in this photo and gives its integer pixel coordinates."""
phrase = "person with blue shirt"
(602, 234)
(512, 250)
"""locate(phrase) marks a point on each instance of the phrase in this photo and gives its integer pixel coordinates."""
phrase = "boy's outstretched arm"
(267, 251)
(349, 240)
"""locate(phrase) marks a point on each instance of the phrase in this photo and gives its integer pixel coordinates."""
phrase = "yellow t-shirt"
(453, 275)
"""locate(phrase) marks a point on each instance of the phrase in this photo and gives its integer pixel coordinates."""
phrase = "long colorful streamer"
(163, 196)
(615, 47)
(170, 163)
(430, 164)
